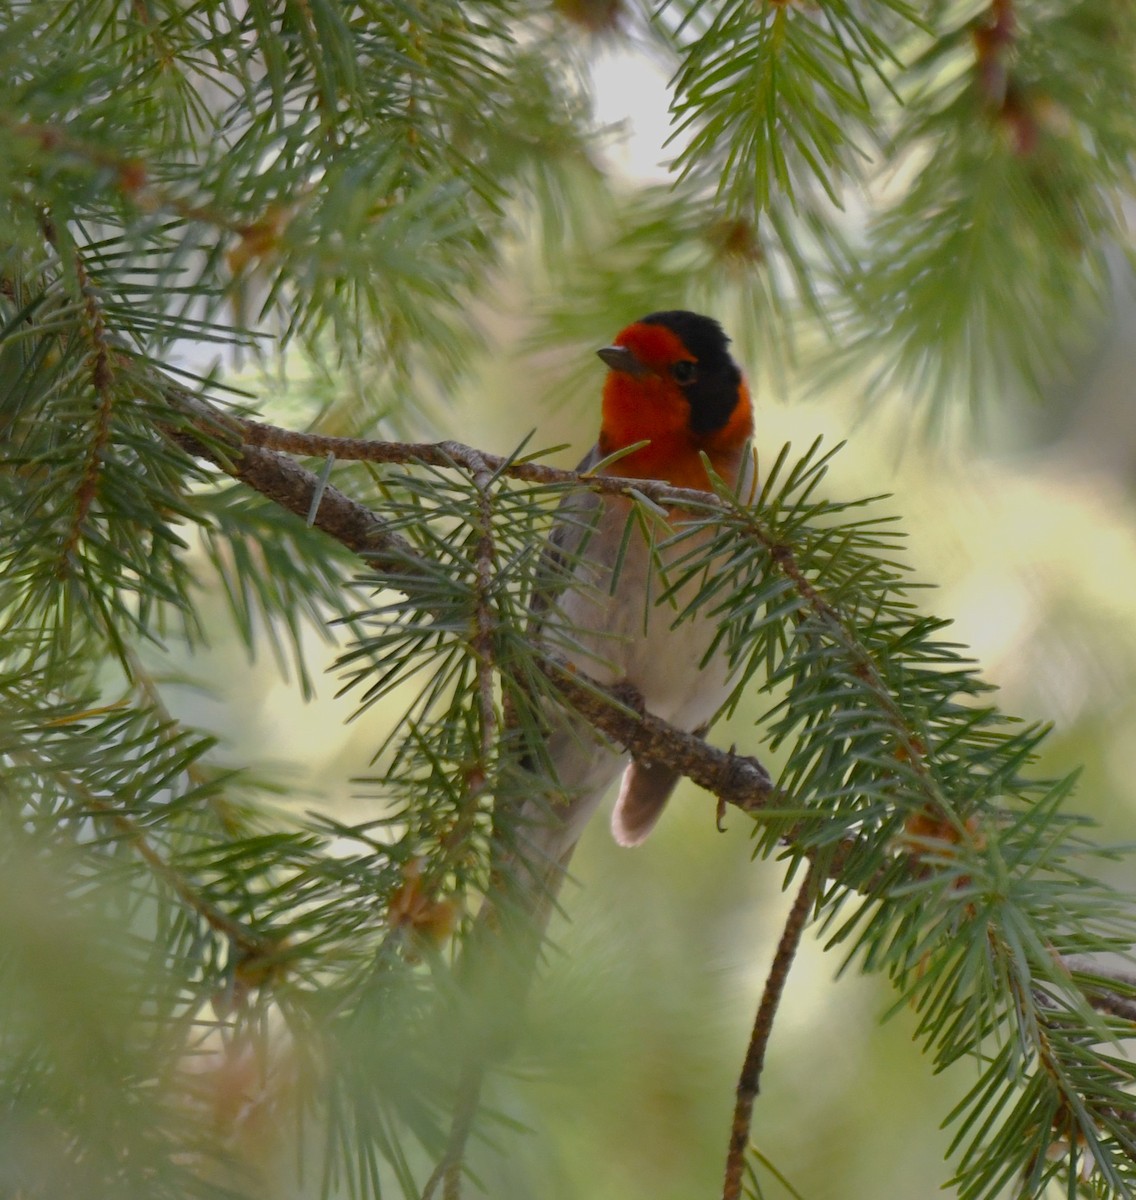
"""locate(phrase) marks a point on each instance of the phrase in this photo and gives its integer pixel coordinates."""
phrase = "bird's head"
(671, 381)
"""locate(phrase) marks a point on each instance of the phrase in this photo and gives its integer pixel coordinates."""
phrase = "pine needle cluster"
(207, 994)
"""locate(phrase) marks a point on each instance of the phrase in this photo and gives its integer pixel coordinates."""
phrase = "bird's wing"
(574, 520)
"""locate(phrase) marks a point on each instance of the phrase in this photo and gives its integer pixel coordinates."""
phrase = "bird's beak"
(619, 358)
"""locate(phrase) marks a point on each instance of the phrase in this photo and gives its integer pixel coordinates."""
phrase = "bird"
(673, 401)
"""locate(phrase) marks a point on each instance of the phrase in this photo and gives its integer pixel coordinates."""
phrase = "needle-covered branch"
(898, 789)
(264, 464)
(467, 458)
(220, 439)
(350, 187)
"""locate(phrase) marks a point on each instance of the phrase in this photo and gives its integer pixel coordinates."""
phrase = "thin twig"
(910, 747)
(1118, 1000)
(101, 377)
(467, 458)
(170, 727)
(448, 1171)
(750, 1076)
(239, 936)
(483, 639)
(739, 780)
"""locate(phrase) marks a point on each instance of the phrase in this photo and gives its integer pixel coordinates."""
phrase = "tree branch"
(750, 1077)
(101, 378)
(262, 463)
(467, 458)
(1105, 988)
(734, 778)
(258, 455)
(654, 739)
(246, 941)
(220, 439)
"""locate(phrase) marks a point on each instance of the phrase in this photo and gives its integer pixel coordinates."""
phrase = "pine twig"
(1118, 1000)
(750, 1077)
(447, 1173)
(101, 379)
(468, 458)
(483, 639)
(449, 1168)
(268, 469)
(249, 944)
(147, 685)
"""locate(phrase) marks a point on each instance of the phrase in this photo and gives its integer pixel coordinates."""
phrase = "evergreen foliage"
(206, 993)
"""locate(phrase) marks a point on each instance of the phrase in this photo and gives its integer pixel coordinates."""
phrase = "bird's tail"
(500, 956)
(535, 837)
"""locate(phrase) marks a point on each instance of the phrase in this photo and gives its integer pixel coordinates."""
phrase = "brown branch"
(219, 438)
(266, 467)
(467, 458)
(101, 378)
(451, 454)
(478, 773)
(750, 1077)
(483, 638)
(1105, 988)
(257, 453)
(737, 779)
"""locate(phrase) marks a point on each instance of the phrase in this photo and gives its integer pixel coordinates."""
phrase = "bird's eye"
(683, 371)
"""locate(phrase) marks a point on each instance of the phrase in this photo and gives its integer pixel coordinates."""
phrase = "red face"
(647, 402)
